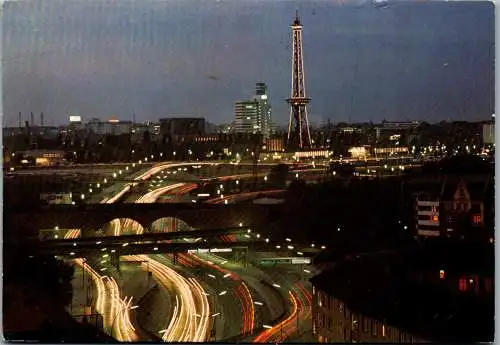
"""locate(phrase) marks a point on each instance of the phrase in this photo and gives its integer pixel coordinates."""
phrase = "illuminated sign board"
(299, 261)
(213, 250)
(75, 118)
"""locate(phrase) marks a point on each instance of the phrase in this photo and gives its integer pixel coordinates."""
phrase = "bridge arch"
(122, 226)
(169, 224)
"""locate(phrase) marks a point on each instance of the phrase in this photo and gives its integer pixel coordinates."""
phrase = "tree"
(44, 273)
(279, 175)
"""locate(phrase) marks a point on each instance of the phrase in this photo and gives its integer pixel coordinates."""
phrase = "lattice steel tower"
(299, 136)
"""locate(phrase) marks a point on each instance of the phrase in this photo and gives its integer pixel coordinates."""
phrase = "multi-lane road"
(210, 297)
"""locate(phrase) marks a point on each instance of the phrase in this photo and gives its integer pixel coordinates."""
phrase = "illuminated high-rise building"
(254, 116)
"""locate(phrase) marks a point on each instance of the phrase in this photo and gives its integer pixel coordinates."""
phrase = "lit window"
(435, 218)
(462, 285)
(441, 274)
(383, 330)
(476, 219)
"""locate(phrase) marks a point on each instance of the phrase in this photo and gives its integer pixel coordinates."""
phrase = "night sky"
(408, 60)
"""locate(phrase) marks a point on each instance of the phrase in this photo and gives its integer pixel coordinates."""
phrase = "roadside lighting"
(290, 247)
(152, 156)
(278, 247)
(133, 165)
(98, 242)
(119, 172)
(72, 253)
(265, 178)
(82, 196)
(55, 236)
(126, 168)
(258, 303)
(145, 159)
(211, 276)
(267, 240)
(276, 285)
(73, 203)
(225, 202)
(258, 235)
(237, 182)
(56, 227)
(249, 230)
(288, 239)
(227, 275)
(297, 175)
(223, 293)
(241, 224)
(267, 326)
(90, 190)
(114, 175)
(98, 185)
(323, 247)
(155, 248)
(140, 161)
(300, 253)
(307, 271)
(105, 180)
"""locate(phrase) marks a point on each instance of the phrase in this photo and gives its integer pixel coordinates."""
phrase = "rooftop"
(386, 286)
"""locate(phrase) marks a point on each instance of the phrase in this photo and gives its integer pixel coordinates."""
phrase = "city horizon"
(465, 82)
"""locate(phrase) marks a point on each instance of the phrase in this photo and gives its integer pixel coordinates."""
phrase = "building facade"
(334, 321)
(182, 129)
(254, 116)
(457, 209)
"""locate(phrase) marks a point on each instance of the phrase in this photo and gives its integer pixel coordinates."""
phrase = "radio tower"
(299, 136)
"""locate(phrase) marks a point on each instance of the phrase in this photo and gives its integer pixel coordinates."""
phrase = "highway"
(228, 310)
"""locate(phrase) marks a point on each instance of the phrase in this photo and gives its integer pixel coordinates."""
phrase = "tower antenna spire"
(299, 135)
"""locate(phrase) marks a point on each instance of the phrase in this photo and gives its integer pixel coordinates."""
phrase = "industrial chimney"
(41, 119)
(20, 120)
(32, 118)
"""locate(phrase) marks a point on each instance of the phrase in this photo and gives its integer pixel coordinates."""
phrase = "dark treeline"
(362, 209)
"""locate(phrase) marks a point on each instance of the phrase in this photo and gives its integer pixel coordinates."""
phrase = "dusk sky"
(408, 60)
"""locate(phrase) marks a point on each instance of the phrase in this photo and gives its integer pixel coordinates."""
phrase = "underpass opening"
(122, 226)
(169, 224)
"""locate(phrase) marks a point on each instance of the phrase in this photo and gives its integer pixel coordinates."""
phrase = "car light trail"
(269, 333)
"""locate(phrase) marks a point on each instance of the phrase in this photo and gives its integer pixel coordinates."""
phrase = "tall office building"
(246, 117)
(254, 116)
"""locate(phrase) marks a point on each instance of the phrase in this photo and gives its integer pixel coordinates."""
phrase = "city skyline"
(361, 61)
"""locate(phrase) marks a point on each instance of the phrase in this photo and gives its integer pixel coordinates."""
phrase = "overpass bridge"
(115, 250)
(148, 237)
(91, 217)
